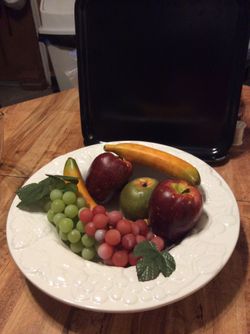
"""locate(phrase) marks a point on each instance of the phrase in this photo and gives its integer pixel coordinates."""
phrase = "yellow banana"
(165, 162)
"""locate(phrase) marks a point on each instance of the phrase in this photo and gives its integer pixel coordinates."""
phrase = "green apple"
(134, 197)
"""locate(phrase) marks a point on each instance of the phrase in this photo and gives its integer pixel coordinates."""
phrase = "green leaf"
(70, 187)
(169, 265)
(71, 179)
(152, 262)
(146, 271)
(47, 185)
(32, 195)
(145, 248)
(33, 207)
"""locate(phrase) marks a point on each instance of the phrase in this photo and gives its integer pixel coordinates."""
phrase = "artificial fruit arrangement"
(153, 215)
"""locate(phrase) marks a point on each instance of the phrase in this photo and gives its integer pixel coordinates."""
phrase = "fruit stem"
(180, 188)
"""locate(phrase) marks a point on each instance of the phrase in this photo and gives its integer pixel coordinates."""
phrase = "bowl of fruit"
(123, 226)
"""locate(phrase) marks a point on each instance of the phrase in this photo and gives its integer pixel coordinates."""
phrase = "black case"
(163, 71)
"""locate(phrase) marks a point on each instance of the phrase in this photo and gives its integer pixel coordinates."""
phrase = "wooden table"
(39, 130)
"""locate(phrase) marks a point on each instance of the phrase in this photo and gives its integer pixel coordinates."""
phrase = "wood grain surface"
(39, 130)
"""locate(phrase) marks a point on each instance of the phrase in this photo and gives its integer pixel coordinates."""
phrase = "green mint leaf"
(65, 183)
(71, 179)
(47, 185)
(32, 195)
(169, 264)
(146, 271)
(32, 207)
(70, 187)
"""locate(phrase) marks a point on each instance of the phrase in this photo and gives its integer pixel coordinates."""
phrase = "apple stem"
(180, 188)
(144, 182)
(185, 191)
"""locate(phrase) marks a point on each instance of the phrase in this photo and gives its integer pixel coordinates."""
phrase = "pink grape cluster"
(116, 236)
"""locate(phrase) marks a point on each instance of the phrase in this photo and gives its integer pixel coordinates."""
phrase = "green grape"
(76, 247)
(58, 205)
(87, 241)
(63, 236)
(74, 236)
(66, 225)
(57, 217)
(47, 206)
(80, 227)
(50, 215)
(88, 253)
(69, 197)
(71, 211)
(56, 194)
(81, 202)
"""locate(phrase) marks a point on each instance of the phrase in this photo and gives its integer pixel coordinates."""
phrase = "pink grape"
(135, 228)
(132, 259)
(113, 237)
(100, 234)
(124, 226)
(100, 220)
(139, 238)
(120, 258)
(108, 262)
(99, 209)
(159, 242)
(90, 229)
(143, 227)
(86, 215)
(105, 251)
(128, 241)
(114, 217)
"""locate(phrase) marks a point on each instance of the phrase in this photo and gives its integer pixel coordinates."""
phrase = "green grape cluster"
(63, 211)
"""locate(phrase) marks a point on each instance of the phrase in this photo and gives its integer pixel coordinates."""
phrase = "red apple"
(107, 174)
(174, 209)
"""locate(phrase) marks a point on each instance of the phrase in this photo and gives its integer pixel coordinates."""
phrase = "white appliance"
(55, 25)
